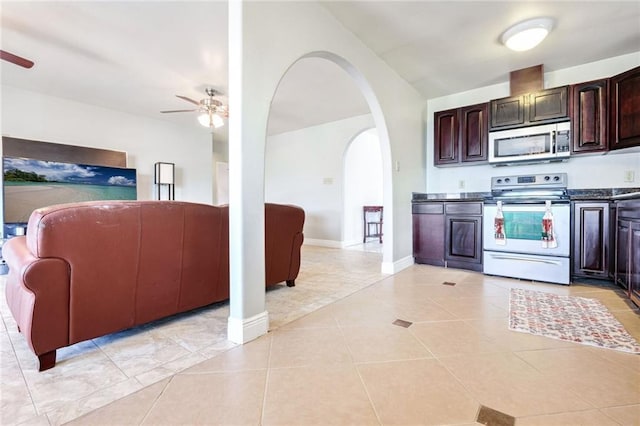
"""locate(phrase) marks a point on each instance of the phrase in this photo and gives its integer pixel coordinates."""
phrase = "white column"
(248, 318)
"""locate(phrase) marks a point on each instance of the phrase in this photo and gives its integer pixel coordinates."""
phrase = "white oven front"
(523, 254)
(523, 228)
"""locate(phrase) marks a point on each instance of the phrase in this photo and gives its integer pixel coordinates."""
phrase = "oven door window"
(523, 225)
(523, 229)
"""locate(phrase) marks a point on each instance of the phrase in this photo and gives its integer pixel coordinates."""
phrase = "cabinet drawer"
(428, 208)
(464, 208)
(629, 212)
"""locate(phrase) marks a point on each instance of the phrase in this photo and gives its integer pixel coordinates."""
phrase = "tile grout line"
(263, 409)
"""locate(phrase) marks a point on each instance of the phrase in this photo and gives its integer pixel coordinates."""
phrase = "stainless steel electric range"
(519, 241)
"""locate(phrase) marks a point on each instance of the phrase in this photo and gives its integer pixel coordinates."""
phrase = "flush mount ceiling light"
(527, 34)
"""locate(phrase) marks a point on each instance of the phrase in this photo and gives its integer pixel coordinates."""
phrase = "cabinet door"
(507, 111)
(624, 95)
(591, 240)
(446, 128)
(428, 233)
(622, 253)
(474, 132)
(590, 115)
(634, 262)
(464, 242)
(549, 105)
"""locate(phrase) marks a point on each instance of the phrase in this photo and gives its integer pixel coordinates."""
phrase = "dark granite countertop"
(444, 196)
(606, 194)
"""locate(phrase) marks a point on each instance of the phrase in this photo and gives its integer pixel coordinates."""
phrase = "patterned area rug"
(575, 319)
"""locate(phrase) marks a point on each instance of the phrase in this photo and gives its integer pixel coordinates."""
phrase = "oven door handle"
(524, 258)
(538, 201)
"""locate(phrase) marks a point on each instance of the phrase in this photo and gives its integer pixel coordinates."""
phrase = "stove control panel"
(551, 180)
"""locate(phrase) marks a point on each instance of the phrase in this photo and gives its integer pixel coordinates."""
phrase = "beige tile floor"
(91, 374)
(344, 362)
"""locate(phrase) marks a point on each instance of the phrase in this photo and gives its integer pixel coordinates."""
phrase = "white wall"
(362, 183)
(599, 171)
(305, 167)
(35, 116)
(265, 39)
(275, 36)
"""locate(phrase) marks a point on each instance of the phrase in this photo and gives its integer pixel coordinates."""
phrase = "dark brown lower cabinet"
(591, 239)
(448, 234)
(627, 260)
(428, 233)
(464, 235)
(634, 262)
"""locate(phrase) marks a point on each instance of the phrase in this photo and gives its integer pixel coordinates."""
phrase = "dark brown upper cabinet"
(474, 132)
(546, 106)
(507, 112)
(590, 116)
(624, 107)
(461, 135)
(446, 136)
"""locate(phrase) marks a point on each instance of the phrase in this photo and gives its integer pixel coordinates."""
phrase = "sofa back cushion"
(132, 261)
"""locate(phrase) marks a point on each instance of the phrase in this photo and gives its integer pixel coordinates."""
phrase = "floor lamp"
(165, 176)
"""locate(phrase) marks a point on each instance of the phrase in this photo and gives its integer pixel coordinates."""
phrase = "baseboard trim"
(345, 244)
(323, 243)
(243, 330)
(331, 243)
(397, 266)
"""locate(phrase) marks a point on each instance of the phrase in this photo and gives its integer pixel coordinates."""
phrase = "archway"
(267, 40)
(362, 184)
(334, 226)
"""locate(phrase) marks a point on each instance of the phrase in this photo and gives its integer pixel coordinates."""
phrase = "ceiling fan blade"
(179, 110)
(189, 100)
(15, 59)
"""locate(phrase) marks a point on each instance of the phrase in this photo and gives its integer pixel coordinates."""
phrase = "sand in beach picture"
(30, 184)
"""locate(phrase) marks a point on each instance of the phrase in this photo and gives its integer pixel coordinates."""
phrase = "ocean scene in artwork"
(30, 184)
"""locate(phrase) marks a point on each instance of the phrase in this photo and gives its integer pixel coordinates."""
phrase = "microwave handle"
(553, 142)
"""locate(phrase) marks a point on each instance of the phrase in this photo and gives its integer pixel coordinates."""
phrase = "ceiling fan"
(211, 110)
(15, 59)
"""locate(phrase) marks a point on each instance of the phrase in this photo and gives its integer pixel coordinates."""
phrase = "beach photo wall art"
(30, 184)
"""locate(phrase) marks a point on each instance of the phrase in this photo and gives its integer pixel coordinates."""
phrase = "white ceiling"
(136, 56)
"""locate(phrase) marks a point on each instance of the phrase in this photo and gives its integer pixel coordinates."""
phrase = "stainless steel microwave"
(546, 142)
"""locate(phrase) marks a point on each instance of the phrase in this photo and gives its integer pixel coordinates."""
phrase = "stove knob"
(547, 178)
(507, 180)
(556, 178)
(499, 181)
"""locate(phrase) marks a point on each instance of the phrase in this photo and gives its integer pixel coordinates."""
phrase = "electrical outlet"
(629, 175)
(461, 184)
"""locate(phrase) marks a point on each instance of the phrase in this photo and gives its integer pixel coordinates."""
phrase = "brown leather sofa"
(88, 269)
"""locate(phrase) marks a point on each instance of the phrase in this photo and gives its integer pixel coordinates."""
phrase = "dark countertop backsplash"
(610, 194)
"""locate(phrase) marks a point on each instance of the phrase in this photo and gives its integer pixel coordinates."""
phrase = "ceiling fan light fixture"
(217, 121)
(204, 119)
(210, 119)
(527, 34)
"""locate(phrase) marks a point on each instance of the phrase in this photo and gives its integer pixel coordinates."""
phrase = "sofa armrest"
(37, 293)
(294, 266)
